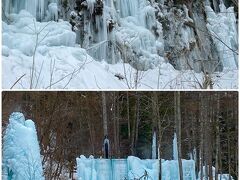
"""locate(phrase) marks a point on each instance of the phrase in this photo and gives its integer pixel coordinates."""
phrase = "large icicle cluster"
(40, 9)
(21, 152)
(126, 28)
(161, 44)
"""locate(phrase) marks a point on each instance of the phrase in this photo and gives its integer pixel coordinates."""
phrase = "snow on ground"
(21, 151)
(61, 64)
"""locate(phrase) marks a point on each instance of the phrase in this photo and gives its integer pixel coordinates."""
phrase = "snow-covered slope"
(120, 45)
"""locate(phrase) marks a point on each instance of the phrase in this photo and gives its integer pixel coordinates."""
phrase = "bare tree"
(178, 131)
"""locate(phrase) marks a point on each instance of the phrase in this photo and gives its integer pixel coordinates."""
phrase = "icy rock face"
(223, 29)
(185, 46)
(126, 28)
(146, 33)
(21, 152)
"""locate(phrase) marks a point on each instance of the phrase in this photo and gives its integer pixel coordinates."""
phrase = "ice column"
(175, 148)
(21, 152)
(154, 146)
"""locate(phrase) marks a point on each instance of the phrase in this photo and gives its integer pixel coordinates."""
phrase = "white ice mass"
(121, 44)
(21, 151)
(130, 168)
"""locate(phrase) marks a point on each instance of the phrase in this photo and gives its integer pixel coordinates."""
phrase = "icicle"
(41, 10)
(52, 13)
(90, 4)
(175, 148)
(128, 7)
(31, 6)
(154, 146)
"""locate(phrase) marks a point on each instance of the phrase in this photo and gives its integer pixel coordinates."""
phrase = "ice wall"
(147, 168)
(117, 169)
(21, 152)
(170, 170)
(130, 168)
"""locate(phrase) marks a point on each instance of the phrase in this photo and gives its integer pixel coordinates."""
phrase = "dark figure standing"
(106, 147)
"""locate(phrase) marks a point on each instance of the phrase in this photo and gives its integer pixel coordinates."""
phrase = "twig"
(17, 81)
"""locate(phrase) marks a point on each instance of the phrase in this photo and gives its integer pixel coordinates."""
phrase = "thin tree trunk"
(228, 142)
(117, 126)
(134, 119)
(178, 130)
(210, 135)
(217, 136)
(137, 118)
(104, 108)
(128, 117)
(157, 122)
(202, 135)
(114, 123)
(195, 153)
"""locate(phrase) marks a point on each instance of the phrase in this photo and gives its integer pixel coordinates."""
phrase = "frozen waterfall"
(138, 32)
(38, 8)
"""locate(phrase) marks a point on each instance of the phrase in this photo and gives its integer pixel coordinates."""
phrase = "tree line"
(73, 123)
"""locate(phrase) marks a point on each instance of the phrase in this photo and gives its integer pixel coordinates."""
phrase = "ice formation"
(223, 28)
(149, 44)
(38, 8)
(154, 146)
(21, 152)
(175, 147)
(130, 168)
(117, 169)
(220, 176)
